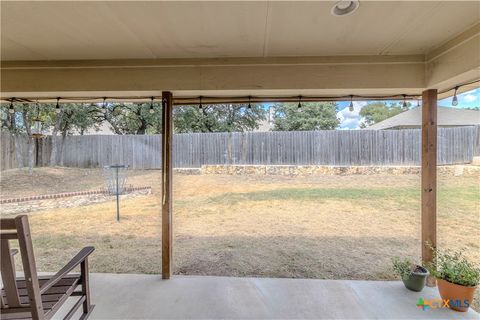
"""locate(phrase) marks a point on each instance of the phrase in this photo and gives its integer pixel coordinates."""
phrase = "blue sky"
(352, 120)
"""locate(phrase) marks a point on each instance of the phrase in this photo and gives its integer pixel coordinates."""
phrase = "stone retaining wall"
(187, 171)
(456, 170)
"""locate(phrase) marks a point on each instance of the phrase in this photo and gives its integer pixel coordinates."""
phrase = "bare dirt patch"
(20, 183)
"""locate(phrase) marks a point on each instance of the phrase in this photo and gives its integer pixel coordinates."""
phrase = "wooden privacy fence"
(10, 147)
(333, 147)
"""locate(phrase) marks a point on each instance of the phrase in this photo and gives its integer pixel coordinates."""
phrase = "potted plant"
(457, 278)
(413, 275)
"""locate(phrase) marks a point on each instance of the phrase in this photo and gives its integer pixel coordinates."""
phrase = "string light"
(299, 102)
(455, 99)
(249, 103)
(200, 104)
(11, 110)
(104, 109)
(151, 106)
(405, 106)
(57, 108)
(350, 107)
(242, 99)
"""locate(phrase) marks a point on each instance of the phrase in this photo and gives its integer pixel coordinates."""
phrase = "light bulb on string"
(104, 108)
(151, 106)
(403, 103)
(455, 99)
(57, 108)
(405, 106)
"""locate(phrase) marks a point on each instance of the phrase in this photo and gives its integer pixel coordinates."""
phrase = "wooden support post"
(167, 173)
(85, 286)
(429, 175)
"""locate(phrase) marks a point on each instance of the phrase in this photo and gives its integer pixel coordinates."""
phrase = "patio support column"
(429, 174)
(167, 174)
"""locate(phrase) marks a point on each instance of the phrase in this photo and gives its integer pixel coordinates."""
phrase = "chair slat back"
(7, 266)
(18, 228)
(8, 225)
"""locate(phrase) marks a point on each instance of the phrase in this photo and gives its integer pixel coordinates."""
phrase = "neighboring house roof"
(264, 126)
(446, 117)
(103, 129)
(267, 124)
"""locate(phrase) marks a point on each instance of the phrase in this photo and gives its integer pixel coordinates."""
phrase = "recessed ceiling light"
(344, 8)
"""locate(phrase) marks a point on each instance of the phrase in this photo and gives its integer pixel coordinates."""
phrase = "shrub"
(402, 267)
(454, 267)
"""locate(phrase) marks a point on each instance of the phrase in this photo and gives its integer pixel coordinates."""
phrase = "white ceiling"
(146, 30)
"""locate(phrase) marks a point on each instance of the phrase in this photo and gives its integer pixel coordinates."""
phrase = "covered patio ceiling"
(157, 30)
(263, 48)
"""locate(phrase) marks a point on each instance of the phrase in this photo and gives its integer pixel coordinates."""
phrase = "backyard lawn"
(328, 227)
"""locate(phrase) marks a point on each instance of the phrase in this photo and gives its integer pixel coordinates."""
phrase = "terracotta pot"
(460, 297)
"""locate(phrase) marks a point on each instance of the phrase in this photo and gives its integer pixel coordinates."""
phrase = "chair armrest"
(79, 258)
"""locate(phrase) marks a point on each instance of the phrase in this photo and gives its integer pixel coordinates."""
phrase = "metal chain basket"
(115, 181)
(115, 178)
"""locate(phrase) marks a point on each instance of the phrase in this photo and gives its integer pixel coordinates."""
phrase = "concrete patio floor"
(131, 296)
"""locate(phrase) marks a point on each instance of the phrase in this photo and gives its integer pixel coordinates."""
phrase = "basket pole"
(118, 196)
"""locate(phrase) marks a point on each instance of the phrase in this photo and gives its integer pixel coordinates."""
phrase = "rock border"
(67, 194)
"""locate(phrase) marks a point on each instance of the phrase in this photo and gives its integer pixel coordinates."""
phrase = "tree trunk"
(18, 150)
(31, 158)
(143, 127)
(27, 124)
(110, 120)
(53, 154)
(62, 144)
(16, 139)
(56, 127)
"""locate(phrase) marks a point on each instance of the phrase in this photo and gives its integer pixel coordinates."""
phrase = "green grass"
(311, 194)
(464, 198)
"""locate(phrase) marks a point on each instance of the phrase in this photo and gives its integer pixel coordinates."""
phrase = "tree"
(311, 116)
(133, 118)
(218, 118)
(19, 124)
(378, 111)
(72, 117)
(12, 122)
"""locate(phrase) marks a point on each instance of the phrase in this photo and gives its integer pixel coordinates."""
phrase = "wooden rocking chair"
(34, 297)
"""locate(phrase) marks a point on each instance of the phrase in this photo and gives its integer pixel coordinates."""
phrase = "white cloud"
(351, 119)
(469, 97)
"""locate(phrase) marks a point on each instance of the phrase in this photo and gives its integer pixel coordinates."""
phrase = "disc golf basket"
(115, 179)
